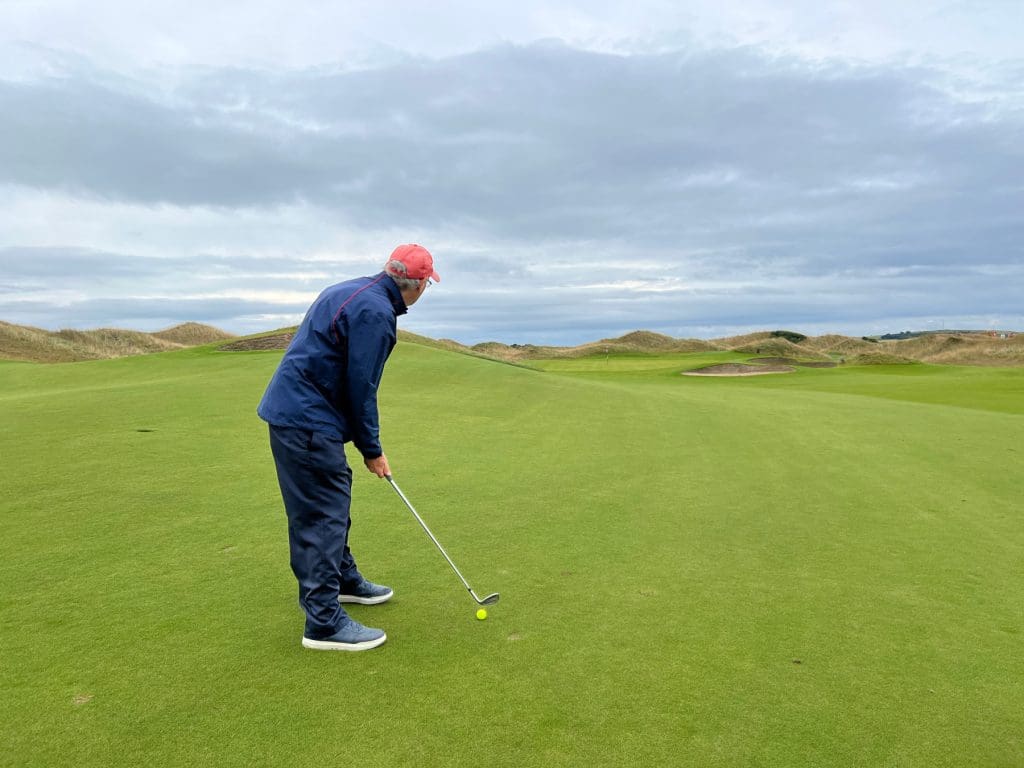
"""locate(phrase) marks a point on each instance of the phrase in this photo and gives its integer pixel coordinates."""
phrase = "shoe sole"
(329, 645)
(365, 600)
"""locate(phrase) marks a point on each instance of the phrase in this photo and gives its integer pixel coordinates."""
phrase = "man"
(323, 395)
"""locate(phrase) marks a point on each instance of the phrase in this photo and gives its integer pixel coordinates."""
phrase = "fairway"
(821, 568)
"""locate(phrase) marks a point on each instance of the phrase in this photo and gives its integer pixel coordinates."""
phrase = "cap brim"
(435, 277)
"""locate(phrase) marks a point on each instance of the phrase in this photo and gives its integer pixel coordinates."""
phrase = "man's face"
(412, 299)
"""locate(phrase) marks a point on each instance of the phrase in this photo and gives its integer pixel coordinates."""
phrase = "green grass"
(816, 569)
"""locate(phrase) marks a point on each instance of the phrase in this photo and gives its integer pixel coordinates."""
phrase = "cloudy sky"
(578, 169)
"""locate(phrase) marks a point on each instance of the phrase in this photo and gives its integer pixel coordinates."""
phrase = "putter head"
(489, 600)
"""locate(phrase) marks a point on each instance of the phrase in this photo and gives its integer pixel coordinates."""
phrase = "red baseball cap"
(417, 260)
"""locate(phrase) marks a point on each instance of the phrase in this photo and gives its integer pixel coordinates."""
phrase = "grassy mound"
(962, 349)
(779, 347)
(923, 347)
(19, 342)
(496, 349)
(193, 334)
(25, 343)
(445, 344)
(987, 352)
(732, 342)
(262, 342)
(22, 342)
(879, 358)
(648, 341)
(838, 345)
(634, 343)
(793, 361)
(115, 342)
(644, 340)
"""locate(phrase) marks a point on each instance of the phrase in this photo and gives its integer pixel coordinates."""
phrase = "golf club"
(490, 599)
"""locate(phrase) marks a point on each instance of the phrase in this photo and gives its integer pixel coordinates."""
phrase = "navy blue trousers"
(316, 485)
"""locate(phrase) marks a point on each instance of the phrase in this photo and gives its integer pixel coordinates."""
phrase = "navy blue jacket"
(327, 380)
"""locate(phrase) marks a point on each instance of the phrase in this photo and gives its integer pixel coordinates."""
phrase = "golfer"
(323, 395)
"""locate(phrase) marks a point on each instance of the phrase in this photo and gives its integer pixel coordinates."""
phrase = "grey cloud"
(79, 135)
(67, 268)
(541, 141)
(146, 313)
(36, 265)
(797, 184)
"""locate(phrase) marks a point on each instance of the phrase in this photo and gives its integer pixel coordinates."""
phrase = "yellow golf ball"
(481, 614)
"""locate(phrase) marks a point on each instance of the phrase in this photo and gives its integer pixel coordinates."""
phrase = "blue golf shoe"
(351, 636)
(366, 593)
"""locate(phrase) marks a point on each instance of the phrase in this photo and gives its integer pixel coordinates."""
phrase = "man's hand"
(379, 466)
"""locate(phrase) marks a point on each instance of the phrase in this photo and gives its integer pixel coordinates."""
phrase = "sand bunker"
(739, 369)
(758, 366)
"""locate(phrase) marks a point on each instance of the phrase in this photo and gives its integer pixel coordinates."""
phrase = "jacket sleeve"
(371, 337)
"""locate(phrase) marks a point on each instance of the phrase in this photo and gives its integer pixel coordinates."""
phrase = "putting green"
(815, 569)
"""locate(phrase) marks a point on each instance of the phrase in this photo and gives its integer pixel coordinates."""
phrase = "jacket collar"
(393, 293)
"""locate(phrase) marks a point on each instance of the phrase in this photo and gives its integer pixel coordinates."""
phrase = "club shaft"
(431, 535)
